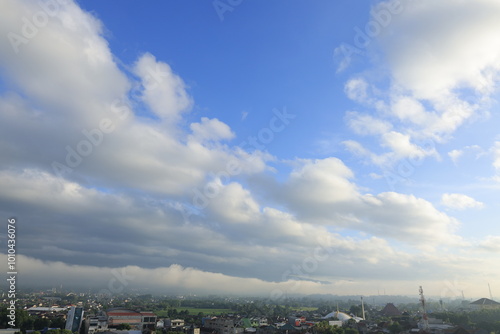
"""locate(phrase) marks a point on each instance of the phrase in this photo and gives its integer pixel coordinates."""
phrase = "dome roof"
(340, 315)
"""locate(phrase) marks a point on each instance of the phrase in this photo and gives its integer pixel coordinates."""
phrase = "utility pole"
(363, 308)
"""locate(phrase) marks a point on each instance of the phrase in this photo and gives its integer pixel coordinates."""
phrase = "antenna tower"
(425, 320)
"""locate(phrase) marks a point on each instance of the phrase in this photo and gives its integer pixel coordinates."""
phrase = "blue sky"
(266, 145)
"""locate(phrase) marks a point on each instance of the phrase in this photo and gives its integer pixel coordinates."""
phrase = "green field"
(305, 308)
(195, 311)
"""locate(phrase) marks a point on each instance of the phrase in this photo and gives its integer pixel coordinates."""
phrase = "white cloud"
(455, 155)
(357, 90)
(496, 155)
(432, 69)
(411, 110)
(457, 47)
(491, 243)
(216, 240)
(322, 181)
(211, 129)
(400, 148)
(69, 58)
(401, 145)
(65, 57)
(322, 191)
(178, 279)
(460, 154)
(364, 124)
(460, 202)
(233, 204)
(164, 91)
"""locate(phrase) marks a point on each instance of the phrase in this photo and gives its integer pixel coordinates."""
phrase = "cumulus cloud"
(455, 155)
(357, 90)
(323, 191)
(137, 231)
(495, 150)
(432, 69)
(97, 132)
(364, 124)
(456, 47)
(211, 129)
(401, 145)
(163, 91)
(460, 202)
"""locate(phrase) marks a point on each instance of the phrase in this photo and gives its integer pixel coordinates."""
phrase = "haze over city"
(263, 148)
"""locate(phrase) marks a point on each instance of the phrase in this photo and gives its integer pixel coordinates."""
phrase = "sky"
(254, 147)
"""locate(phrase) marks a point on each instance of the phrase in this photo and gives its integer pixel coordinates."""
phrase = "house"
(484, 304)
(223, 326)
(136, 319)
(98, 323)
(390, 310)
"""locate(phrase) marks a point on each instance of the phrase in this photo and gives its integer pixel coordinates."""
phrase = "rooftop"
(485, 301)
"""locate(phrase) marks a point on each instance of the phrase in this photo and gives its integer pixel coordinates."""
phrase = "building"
(223, 326)
(74, 319)
(98, 323)
(137, 320)
(41, 310)
(193, 330)
(337, 323)
(288, 328)
(344, 317)
(9, 330)
(296, 321)
(253, 322)
(390, 311)
(176, 323)
(484, 304)
(168, 323)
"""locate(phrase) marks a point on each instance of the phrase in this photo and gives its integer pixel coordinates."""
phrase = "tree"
(122, 327)
(27, 324)
(58, 331)
(395, 328)
(325, 328)
(356, 310)
(57, 323)
(351, 323)
(41, 323)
